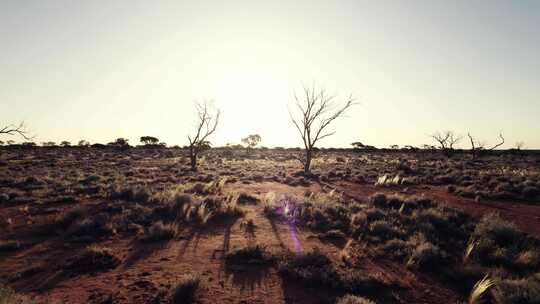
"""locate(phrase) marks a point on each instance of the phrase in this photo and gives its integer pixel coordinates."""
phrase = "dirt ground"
(40, 186)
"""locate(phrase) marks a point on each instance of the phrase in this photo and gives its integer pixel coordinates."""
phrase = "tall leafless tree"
(317, 110)
(206, 125)
(446, 141)
(478, 147)
(19, 129)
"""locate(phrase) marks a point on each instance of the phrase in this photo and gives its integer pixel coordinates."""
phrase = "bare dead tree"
(206, 125)
(19, 129)
(317, 110)
(477, 147)
(446, 141)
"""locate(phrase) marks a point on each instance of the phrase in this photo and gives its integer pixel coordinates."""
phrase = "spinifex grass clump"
(93, 259)
(310, 268)
(250, 255)
(186, 289)
(160, 232)
(501, 243)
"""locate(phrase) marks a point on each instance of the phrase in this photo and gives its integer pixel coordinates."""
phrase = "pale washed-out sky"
(98, 70)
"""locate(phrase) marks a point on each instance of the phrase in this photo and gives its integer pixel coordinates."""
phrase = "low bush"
(352, 299)
(310, 268)
(251, 255)
(525, 290)
(501, 243)
(139, 194)
(185, 289)
(159, 232)
(93, 259)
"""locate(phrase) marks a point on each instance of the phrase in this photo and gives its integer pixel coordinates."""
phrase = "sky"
(99, 70)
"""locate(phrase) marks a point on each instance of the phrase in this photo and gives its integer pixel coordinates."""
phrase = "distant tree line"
(315, 110)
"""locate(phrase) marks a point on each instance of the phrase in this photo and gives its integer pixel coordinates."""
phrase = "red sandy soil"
(148, 272)
(526, 215)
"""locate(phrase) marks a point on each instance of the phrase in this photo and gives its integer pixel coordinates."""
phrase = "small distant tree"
(206, 125)
(121, 143)
(65, 143)
(251, 141)
(317, 110)
(48, 144)
(394, 147)
(446, 141)
(357, 145)
(149, 140)
(477, 147)
(411, 148)
(519, 146)
(84, 143)
(1, 143)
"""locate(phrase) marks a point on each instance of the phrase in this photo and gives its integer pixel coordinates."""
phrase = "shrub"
(171, 204)
(355, 281)
(425, 255)
(90, 228)
(130, 193)
(93, 259)
(311, 268)
(186, 289)
(379, 200)
(351, 299)
(382, 230)
(395, 248)
(160, 232)
(70, 216)
(244, 198)
(374, 214)
(501, 243)
(253, 255)
(526, 290)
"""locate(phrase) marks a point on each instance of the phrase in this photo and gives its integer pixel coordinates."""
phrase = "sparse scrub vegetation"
(371, 243)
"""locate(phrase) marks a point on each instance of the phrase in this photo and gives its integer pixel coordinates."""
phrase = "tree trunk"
(307, 163)
(193, 158)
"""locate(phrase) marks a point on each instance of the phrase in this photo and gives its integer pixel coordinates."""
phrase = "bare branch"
(499, 144)
(16, 130)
